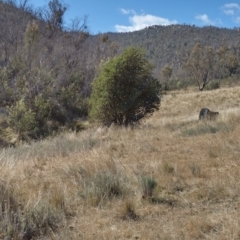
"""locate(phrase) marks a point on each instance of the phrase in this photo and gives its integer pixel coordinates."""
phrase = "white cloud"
(205, 19)
(230, 8)
(138, 22)
(127, 11)
(232, 5)
(229, 12)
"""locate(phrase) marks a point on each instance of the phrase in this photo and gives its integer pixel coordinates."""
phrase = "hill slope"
(167, 44)
(164, 44)
(89, 185)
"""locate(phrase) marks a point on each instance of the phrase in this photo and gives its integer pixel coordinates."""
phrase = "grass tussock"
(148, 186)
(128, 210)
(172, 169)
(103, 186)
(22, 222)
(168, 168)
(195, 169)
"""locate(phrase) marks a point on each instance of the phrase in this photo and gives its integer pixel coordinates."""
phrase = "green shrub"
(31, 120)
(125, 91)
(22, 119)
(178, 84)
(42, 109)
(71, 96)
(148, 185)
(213, 85)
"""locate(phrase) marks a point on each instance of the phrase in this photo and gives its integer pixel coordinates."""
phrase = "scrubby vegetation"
(44, 84)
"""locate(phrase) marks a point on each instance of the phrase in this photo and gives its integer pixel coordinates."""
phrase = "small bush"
(148, 185)
(178, 84)
(42, 109)
(21, 119)
(213, 85)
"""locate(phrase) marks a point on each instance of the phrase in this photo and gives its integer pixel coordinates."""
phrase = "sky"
(132, 15)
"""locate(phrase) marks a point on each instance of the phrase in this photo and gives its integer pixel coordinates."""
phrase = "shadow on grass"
(161, 200)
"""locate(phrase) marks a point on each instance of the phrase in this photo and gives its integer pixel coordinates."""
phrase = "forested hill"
(165, 44)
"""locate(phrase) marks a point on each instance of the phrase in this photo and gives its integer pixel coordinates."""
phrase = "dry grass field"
(173, 177)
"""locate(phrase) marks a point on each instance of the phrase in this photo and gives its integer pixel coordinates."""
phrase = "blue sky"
(132, 15)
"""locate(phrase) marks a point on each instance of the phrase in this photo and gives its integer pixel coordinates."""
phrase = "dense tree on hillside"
(125, 90)
(166, 75)
(227, 61)
(43, 79)
(220, 67)
(232, 63)
(200, 64)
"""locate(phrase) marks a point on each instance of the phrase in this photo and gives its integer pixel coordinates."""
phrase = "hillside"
(90, 185)
(165, 44)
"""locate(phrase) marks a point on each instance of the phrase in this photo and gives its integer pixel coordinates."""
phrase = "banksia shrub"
(125, 90)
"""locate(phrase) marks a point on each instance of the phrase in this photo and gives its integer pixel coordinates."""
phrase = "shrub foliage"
(125, 90)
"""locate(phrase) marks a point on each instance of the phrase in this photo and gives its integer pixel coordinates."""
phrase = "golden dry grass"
(90, 182)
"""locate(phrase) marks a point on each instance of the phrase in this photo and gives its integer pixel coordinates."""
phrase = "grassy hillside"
(47, 69)
(94, 184)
